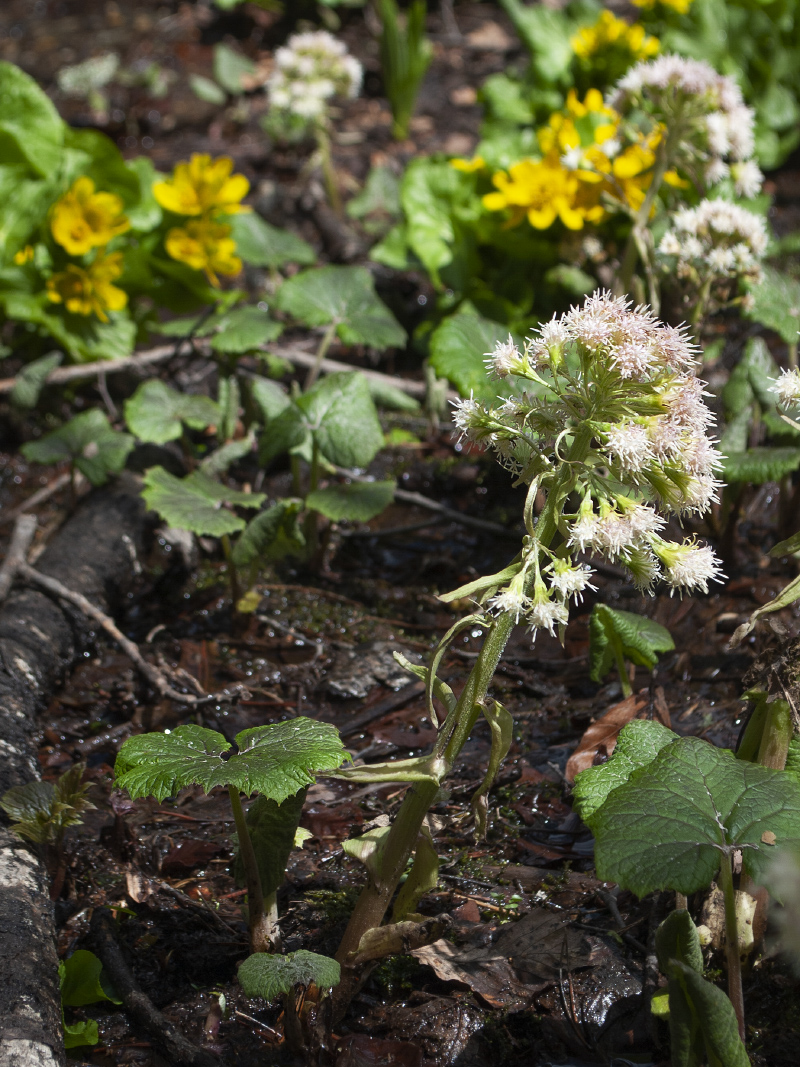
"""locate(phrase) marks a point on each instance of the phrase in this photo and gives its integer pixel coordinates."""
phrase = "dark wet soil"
(165, 868)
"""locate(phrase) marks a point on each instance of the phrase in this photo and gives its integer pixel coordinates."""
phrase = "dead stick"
(153, 675)
(177, 1048)
(24, 529)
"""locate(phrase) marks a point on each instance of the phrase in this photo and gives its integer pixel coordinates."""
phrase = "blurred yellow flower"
(25, 255)
(469, 166)
(203, 187)
(680, 6)
(608, 33)
(205, 245)
(87, 291)
(84, 219)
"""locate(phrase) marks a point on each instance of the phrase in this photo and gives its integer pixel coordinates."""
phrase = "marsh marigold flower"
(205, 245)
(89, 290)
(612, 34)
(679, 6)
(25, 255)
(203, 187)
(83, 219)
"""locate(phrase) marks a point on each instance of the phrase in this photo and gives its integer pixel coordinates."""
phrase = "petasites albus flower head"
(709, 127)
(613, 416)
(311, 69)
(787, 387)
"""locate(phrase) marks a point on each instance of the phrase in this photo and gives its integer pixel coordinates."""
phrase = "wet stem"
(322, 351)
(402, 838)
(261, 938)
(328, 171)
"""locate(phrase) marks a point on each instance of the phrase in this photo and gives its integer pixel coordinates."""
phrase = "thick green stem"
(260, 940)
(233, 575)
(328, 171)
(732, 941)
(404, 833)
(324, 345)
(311, 525)
(700, 305)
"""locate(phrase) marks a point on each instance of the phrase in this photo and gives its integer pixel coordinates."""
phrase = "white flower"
(468, 414)
(568, 580)
(689, 566)
(669, 245)
(787, 387)
(701, 493)
(505, 358)
(716, 171)
(630, 443)
(546, 614)
(554, 333)
(747, 178)
(309, 70)
(632, 358)
(510, 601)
(644, 521)
(643, 567)
(585, 531)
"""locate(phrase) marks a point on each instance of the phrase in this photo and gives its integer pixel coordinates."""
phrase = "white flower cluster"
(716, 240)
(625, 382)
(309, 70)
(719, 124)
(787, 388)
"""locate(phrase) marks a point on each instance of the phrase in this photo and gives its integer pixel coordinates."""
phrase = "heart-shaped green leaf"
(357, 502)
(668, 826)
(195, 502)
(636, 637)
(345, 296)
(275, 760)
(268, 976)
(155, 412)
(89, 442)
(262, 245)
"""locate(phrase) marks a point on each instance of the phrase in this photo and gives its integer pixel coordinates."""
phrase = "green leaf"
(88, 441)
(272, 535)
(230, 67)
(339, 413)
(458, 350)
(272, 828)
(776, 304)
(219, 461)
(571, 278)
(785, 597)
(501, 724)
(669, 824)
(345, 296)
(31, 379)
(378, 202)
(638, 744)
(275, 761)
(207, 90)
(195, 503)
(30, 126)
(636, 637)
(271, 397)
(156, 412)
(357, 502)
(427, 190)
(759, 465)
(489, 582)
(546, 34)
(84, 1032)
(421, 879)
(81, 980)
(677, 939)
(262, 245)
(268, 976)
(389, 396)
(762, 370)
(245, 329)
(702, 1022)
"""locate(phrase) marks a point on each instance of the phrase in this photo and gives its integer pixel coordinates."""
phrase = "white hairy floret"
(630, 444)
(787, 387)
(568, 580)
(689, 566)
(716, 240)
(511, 602)
(504, 359)
(546, 614)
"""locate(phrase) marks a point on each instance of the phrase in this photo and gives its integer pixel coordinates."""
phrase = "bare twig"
(455, 516)
(165, 1034)
(62, 375)
(21, 538)
(156, 677)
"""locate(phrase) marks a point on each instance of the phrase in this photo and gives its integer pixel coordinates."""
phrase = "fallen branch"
(138, 1005)
(15, 565)
(41, 495)
(62, 375)
(21, 539)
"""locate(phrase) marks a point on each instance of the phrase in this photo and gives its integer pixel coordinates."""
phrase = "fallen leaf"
(600, 739)
(188, 856)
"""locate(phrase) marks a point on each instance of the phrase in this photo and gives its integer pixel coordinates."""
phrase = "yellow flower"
(206, 246)
(542, 191)
(84, 219)
(25, 255)
(468, 166)
(87, 291)
(608, 33)
(680, 6)
(203, 187)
